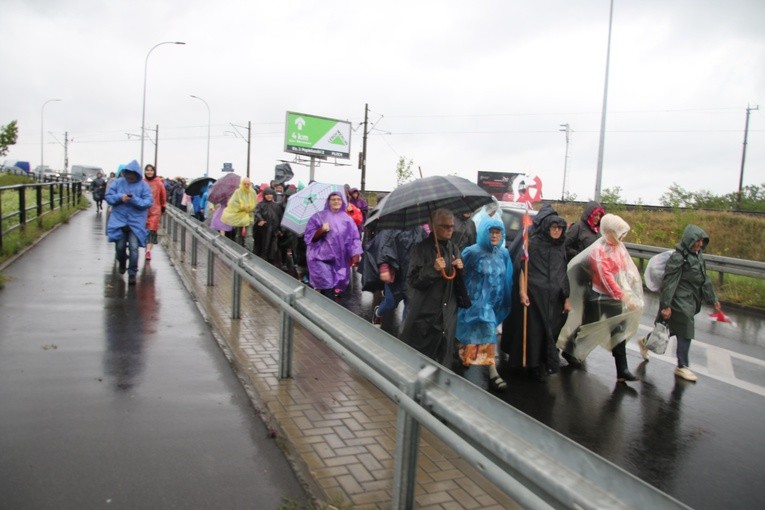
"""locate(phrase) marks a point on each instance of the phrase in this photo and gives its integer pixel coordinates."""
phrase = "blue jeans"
(683, 348)
(389, 302)
(128, 243)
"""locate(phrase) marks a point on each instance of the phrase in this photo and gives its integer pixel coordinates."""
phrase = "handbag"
(657, 340)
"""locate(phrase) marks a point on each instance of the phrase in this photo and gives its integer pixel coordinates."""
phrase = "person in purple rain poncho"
(333, 247)
(355, 198)
(130, 198)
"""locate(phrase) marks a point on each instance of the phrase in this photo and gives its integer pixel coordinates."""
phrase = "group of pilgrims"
(469, 299)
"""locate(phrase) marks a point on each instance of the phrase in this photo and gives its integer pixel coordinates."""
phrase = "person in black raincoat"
(432, 308)
(512, 327)
(268, 217)
(546, 298)
(685, 285)
(585, 231)
(99, 191)
(386, 263)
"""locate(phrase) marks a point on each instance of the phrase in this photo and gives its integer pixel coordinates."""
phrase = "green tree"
(403, 171)
(611, 197)
(8, 135)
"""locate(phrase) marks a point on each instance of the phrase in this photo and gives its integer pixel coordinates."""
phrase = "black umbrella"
(411, 204)
(374, 214)
(195, 187)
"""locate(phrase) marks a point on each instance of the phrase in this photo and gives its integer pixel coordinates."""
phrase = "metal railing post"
(407, 445)
(286, 335)
(193, 251)
(38, 196)
(22, 209)
(210, 267)
(236, 295)
(183, 243)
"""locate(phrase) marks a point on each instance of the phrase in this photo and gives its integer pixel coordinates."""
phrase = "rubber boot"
(623, 373)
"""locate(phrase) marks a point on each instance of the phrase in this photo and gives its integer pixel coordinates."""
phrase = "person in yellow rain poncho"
(239, 212)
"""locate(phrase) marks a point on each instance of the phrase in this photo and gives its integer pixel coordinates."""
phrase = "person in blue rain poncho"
(488, 276)
(130, 199)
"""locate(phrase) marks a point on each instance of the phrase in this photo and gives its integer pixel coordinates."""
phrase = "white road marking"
(719, 361)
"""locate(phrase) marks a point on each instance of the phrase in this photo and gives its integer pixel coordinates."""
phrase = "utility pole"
(248, 140)
(567, 130)
(363, 157)
(156, 148)
(66, 152)
(743, 154)
(249, 137)
(602, 141)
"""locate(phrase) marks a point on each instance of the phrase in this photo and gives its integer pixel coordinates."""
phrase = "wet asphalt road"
(700, 442)
(119, 397)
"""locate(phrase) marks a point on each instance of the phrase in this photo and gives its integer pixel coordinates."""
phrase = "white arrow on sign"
(300, 123)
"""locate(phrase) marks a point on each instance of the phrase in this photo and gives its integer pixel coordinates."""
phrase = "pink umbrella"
(223, 188)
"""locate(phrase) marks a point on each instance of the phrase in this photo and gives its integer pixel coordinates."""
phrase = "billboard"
(317, 136)
(511, 186)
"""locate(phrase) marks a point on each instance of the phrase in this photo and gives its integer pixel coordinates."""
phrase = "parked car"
(16, 166)
(512, 217)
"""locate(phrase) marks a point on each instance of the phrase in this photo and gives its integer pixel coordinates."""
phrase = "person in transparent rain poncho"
(606, 297)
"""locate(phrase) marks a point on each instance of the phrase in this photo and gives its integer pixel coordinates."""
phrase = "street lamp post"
(42, 132)
(143, 111)
(207, 168)
(567, 130)
(601, 144)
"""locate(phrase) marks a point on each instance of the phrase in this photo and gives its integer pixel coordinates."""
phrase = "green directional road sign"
(317, 136)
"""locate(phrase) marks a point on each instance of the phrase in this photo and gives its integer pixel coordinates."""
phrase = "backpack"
(654, 271)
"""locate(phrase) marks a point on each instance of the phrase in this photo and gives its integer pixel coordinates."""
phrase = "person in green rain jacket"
(685, 285)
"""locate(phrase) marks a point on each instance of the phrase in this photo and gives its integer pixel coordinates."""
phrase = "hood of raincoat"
(133, 167)
(613, 228)
(336, 193)
(589, 210)
(691, 234)
(483, 239)
(549, 221)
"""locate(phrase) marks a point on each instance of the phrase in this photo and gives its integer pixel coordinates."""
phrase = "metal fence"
(530, 462)
(723, 265)
(45, 198)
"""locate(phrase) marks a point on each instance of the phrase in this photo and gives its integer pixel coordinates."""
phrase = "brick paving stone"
(338, 426)
(373, 498)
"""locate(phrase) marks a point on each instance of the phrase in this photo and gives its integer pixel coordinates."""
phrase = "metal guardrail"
(723, 265)
(530, 462)
(59, 195)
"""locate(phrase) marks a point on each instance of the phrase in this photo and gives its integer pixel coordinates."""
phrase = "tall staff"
(524, 280)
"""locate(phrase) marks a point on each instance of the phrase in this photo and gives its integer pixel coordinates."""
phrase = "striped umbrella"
(305, 203)
(411, 204)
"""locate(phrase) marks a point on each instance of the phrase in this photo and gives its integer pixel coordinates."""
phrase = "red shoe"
(148, 255)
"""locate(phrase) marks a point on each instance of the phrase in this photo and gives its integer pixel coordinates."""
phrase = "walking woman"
(488, 276)
(685, 285)
(157, 209)
(239, 212)
(547, 298)
(333, 247)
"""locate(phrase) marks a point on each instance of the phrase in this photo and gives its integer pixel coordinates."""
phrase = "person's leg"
(683, 350)
(150, 242)
(132, 240)
(119, 248)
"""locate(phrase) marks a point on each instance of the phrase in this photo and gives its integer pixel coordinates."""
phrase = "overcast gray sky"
(455, 86)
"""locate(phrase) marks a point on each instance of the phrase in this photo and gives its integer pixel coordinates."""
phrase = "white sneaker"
(685, 373)
(643, 349)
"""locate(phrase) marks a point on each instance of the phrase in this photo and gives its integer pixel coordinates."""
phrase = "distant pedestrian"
(266, 231)
(684, 287)
(99, 190)
(359, 202)
(130, 199)
(465, 231)
(239, 212)
(585, 231)
(159, 196)
(333, 247)
(488, 278)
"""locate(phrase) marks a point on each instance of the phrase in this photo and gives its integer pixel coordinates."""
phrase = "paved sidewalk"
(339, 429)
(119, 396)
